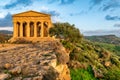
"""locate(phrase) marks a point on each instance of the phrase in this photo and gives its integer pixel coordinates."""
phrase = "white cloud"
(102, 32)
(44, 8)
(4, 2)
(56, 19)
(6, 28)
(1, 15)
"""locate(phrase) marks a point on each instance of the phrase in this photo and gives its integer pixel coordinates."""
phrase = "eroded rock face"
(38, 61)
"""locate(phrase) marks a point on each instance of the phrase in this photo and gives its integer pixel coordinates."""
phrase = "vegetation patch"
(103, 58)
(82, 74)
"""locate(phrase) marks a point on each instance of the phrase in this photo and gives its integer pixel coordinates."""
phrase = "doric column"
(17, 30)
(50, 25)
(21, 29)
(48, 28)
(35, 29)
(28, 29)
(14, 29)
(42, 29)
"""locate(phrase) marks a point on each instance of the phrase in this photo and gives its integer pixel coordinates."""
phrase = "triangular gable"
(31, 13)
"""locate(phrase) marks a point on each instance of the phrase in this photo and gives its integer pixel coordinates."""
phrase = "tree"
(66, 31)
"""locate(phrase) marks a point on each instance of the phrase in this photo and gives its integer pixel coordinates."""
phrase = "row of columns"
(20, 28)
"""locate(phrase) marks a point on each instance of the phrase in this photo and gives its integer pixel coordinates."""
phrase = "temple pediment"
(30, 13)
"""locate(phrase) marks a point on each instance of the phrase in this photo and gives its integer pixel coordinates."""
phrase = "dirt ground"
(9, 46)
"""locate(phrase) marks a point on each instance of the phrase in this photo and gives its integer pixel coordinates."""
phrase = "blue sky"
(92, 17)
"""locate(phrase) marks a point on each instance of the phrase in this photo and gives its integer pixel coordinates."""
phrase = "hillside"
(4, 37)
(110, 39)
(5, 32)
(93, 62)
(108, 42)
(88, 60)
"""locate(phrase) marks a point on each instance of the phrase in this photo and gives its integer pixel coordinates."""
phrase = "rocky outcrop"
(37, 61)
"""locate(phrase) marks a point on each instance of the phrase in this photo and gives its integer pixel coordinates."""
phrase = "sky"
(92, 17)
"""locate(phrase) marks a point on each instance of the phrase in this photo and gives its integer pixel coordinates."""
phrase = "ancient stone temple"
(31, 25)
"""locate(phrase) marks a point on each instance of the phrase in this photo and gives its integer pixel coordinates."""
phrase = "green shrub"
(112, 74)
(67, 45)
(66, 31)
(82, 74)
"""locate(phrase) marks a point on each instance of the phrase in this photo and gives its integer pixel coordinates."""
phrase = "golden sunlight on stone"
(31, 25)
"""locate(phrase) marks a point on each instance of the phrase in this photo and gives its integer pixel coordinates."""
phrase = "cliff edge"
(38, 61)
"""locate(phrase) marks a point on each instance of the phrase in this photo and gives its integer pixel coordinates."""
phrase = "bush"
(67, 45)
(66, 31)
(112, 74)
(82, 74)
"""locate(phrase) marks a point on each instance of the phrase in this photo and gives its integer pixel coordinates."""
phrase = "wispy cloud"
(6, 28)
(78, 13)
(51, 12)
(54, 14)
(62, 2)
(96, 2)
(75, 14)
(116, 25)
(18, 2)
(102, 32)
(105, 5)
(112, 4)
(112, 18)
(6, 21)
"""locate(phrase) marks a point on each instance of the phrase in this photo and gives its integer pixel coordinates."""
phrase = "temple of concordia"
(31, 25)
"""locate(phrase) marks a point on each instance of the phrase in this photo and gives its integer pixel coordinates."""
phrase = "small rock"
(37, 78)
(107, 64)
(98, 73)
(27, 79)
(8, 66)
(18, 78)
(16, 70)
(4, 76)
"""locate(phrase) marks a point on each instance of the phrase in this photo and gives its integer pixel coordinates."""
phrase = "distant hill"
(111, 39)
(5, 35)
(5, 32)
